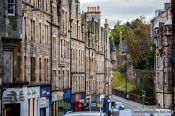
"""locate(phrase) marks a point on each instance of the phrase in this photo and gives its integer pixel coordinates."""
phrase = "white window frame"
(12, 4)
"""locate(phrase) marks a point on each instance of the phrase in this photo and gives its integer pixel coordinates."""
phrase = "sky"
(124, 10)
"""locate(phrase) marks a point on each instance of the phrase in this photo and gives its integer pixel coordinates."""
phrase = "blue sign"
(45, 91)
(67, 93)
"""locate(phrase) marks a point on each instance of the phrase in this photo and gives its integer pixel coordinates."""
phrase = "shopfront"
(57, 103)
(82, 101)
(98, 103)
(45, 100)
(33, 101)
(93, 105)
(67, 100)
(14, 102)
(87, 103)
(76, 103)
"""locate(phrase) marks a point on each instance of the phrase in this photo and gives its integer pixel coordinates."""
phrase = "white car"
(85, 114)
(126, 112)
(119, 105)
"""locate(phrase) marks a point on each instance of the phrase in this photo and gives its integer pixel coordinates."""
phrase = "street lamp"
(124, 50)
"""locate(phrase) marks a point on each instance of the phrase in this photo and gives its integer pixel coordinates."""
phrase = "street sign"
(99, 105)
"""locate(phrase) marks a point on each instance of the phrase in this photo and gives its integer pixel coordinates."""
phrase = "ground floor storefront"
(26, 101)
(67, 100)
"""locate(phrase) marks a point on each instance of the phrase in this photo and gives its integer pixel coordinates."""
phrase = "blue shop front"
(45, 100)
(67, 100)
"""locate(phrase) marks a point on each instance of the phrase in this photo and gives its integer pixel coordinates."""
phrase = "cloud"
(116, 10)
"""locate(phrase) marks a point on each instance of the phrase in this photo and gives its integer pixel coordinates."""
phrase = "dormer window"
(11, 7)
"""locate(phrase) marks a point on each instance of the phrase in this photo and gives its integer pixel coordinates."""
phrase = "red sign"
(77, 97)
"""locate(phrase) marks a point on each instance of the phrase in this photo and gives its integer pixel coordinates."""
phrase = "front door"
(43, 112)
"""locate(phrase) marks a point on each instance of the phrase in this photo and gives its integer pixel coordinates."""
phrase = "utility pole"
(173, 36)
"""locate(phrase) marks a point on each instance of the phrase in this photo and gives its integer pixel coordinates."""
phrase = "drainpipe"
(70, 24)
(51, 11)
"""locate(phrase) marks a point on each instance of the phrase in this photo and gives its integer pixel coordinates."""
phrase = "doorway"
(43, 112)
(12, 110)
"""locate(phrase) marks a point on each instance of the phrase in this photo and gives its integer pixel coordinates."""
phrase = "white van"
(85, 114)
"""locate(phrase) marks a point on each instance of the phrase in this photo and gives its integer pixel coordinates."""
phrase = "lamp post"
(126, 68)
(126, 79)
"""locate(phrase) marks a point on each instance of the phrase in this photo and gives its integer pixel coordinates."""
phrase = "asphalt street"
(137, 108)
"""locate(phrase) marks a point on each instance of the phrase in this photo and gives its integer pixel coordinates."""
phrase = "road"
(137, 108)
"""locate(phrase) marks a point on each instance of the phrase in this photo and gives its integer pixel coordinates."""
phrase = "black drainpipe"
(51, 22)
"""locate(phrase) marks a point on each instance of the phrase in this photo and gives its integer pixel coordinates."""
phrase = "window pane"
(8, 10)
(12, 11)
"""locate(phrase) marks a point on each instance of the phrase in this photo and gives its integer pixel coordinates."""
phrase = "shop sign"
(67, 93)
(12, 95)
(60, 95)
(54, 97)
(42, 102)
(33, 92)
(45, 91)
(77, 97)
(99, 105)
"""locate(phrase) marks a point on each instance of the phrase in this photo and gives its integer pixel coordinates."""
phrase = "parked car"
(119, 105)
(126, 112)
(85, 114)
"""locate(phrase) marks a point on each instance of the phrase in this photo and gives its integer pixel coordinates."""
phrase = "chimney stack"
(167, 6)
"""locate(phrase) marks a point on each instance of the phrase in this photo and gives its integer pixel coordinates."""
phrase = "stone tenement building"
(25, 36)
(53, 58)
(97, 55)
(60, 58)
(161, 37)
(77, 55)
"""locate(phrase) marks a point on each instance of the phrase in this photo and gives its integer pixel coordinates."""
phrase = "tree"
(136, 35)
(116, 34)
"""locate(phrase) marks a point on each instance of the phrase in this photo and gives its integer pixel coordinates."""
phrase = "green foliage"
(136, 35)
(146, 83)
(147, 61)
(119, 82)
(116, 34)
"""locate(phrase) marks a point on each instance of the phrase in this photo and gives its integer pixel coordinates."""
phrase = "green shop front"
(58, 103)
